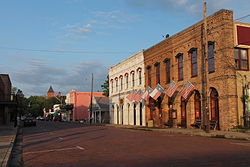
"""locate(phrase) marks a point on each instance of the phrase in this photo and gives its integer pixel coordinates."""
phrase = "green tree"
(21, 100)
(105, 87)
(36, 105)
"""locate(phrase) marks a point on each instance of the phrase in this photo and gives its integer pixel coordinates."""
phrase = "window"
(193, 54)
(241, 59)
(133, 78)
(112, 85)
(126, 80)
(149, 75)
(167, 69)
(116, 84)
(197, 105)
(180, 66)
(211, 57)
(139, 77)
(121, 83)
(157, 72)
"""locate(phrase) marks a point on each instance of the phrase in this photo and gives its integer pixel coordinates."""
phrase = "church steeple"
(50, 92)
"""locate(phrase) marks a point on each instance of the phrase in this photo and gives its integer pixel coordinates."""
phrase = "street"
(74, 144)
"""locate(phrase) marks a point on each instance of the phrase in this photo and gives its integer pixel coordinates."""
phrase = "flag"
(137, 96)
(172, 88)
(188, 87)
(145, 95)
(157, 91)
(130, 97)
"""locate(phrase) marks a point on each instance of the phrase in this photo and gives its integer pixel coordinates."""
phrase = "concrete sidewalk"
(7, 138)
(191, 132)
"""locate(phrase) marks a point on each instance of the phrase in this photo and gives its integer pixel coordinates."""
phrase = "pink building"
(81, 102)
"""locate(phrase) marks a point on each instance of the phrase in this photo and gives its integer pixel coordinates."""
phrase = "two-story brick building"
(179, 59)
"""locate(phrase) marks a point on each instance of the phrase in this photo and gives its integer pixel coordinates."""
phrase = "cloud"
(38, 75)
(99, 23)
(193, 7)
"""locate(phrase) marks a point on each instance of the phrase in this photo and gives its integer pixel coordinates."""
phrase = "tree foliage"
(105, 87)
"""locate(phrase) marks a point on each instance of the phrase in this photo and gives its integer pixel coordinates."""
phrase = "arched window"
(193, 54)
(167, 69)
(197, 105)
(214, 104)
(121, 82)
(149, 72)
(133, 78)
(112, 85)
(157, 72)
(179, 57)
(211, 67)
(139, 75)
(116, 84)
(126, 78)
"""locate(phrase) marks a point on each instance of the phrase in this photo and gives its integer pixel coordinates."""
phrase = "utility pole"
(205, 98)
(91, 98)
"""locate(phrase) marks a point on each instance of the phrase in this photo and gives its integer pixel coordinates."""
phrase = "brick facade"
(224, 80)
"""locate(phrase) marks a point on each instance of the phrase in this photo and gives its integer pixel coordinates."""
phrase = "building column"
(100, 116)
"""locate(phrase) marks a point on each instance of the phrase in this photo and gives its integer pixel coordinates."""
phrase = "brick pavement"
(59, 144)
(7, 138)
(191, 132)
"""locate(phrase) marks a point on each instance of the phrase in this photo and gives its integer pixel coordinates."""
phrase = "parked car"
(29, 121)
(40, 118)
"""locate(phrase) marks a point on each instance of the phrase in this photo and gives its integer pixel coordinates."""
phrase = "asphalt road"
(73, 144)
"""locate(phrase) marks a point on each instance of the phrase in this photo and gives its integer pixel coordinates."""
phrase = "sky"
(62, 42)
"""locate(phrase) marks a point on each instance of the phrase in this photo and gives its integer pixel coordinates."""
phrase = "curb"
(16, 159)
(212, 134)
(7, 157)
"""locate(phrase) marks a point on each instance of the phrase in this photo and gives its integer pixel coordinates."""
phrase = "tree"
(105, 87)
(22, 102)
(36, 105)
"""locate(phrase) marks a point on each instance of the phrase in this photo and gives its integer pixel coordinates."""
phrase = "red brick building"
(50, 92)
(178, 59)
(7, 112)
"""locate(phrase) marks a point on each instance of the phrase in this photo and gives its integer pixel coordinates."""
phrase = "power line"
(243, 17)
(66, 51)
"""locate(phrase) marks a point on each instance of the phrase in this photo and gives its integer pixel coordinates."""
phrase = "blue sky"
(61, 42)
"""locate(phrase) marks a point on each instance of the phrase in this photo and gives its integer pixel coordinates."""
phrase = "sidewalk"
(190, 132)
(7, 139)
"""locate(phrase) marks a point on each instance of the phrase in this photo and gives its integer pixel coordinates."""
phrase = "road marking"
(242, 144)
(53, 150)
(81, 148)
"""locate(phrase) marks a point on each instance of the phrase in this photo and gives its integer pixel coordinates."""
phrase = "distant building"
(81, 102)
(100, 109)
(7, 112)
(59, 95)
(50, 92)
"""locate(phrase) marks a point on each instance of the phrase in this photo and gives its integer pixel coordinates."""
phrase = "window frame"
(116, 84)
(240, 59)
(180, 69)
(167, 70)
(132, 73)
(121, 82)
(193, 63)
(149, 71)
(157, 73)
(126, 76)
(211, 58)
